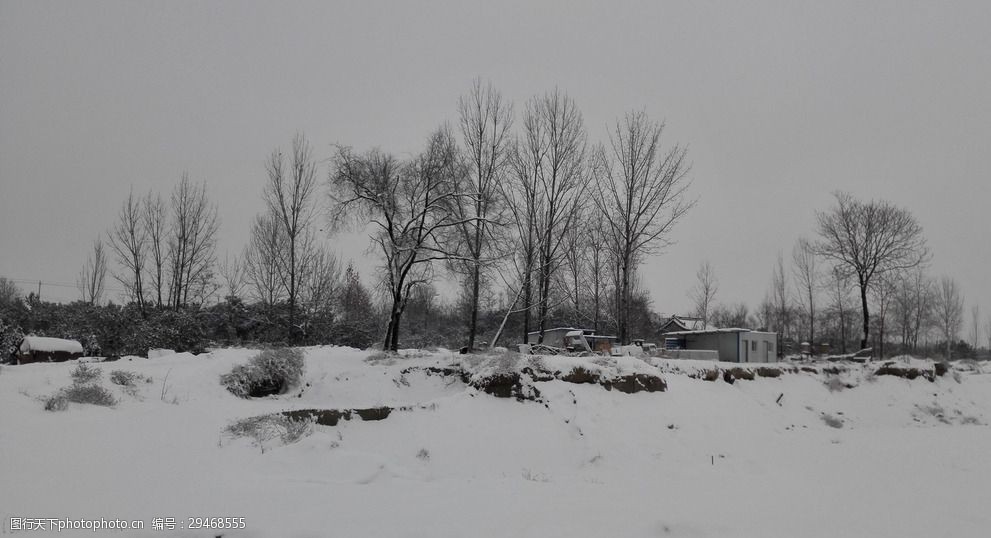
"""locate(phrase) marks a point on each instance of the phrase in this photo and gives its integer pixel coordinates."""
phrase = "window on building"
(753, 345)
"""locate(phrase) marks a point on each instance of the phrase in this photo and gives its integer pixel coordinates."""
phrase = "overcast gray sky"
(780, 103)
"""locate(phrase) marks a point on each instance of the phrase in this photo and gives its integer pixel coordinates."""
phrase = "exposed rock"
(906, 373)
(507, 385)
(330, 417)
(733, 374)
(633, 383)
(764, 371)
(580, 375)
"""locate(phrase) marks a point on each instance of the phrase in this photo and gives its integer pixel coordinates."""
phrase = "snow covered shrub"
(89, 394)
(57, 402)
(831, 421)
(84, 374)
(239, 381)
(10, 336)
(127, 379)
(834, 384)
(272, 371)
(91, 346)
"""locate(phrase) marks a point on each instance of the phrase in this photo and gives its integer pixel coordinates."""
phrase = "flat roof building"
(732, 345)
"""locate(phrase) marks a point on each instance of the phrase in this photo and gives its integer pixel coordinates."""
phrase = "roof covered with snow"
(51, 345)
(687, 323)
(709, 331)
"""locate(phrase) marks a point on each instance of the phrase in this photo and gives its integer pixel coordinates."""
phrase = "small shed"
(732, 345)
(43, 349)
(563, 337)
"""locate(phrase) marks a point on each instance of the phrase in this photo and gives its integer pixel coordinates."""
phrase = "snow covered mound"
(440, 444)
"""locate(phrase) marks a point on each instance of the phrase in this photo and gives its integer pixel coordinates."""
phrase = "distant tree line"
(863, 282)
(528, 224)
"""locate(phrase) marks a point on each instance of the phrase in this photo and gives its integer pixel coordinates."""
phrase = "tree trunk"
(473, 325)
(867, 318)
(545, 288)
(624, 305)
(394, 345)
(292, 289)
(527, 298)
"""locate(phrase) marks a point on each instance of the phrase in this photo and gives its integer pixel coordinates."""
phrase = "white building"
(732, 345)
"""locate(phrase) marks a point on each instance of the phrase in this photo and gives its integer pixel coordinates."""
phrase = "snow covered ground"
(808, 453)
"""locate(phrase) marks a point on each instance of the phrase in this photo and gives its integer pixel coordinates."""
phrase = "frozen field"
(803, 454)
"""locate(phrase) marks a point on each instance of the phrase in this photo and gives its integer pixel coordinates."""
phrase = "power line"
(58, 284)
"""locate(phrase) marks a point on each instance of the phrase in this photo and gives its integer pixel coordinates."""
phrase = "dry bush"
(276, 426)
(127, 379)
(56, 402)
(89, 394)
(84, 373)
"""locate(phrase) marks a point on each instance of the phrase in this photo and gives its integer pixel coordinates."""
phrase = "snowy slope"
(704, 458)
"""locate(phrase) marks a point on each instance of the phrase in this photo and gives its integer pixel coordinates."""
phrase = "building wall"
(45, 356)
(552, 337)
(737, 346)
(758, 347)
(695, 354)
(723, 343)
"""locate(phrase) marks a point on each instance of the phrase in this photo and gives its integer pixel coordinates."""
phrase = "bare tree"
(485, 120)
(987, 330)
(923, 304)
(93, 275)
(780, 301)
(641, 192)
(191, 244)
(319, 288)
(129, 240)
(869, 239)
(9, 292)
(840, 300)
(525, 204)
(289, 196)
(704, 292)
(575, 267)
(598, 261)
(261, 261)
(912, 306)
(561, 182)
(806, 278)
(232, 271)
(882, 291)
(156, 228)
(948, 310)
(409, 208)
(322, 282)
(975, 330)
(737, 315)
